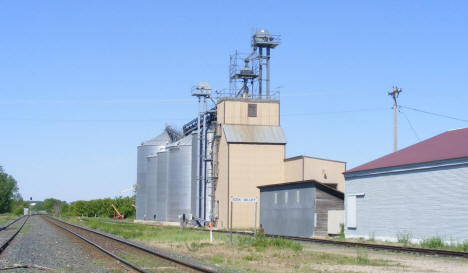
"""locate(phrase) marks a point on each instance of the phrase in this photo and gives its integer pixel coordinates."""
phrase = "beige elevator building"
(249, 151)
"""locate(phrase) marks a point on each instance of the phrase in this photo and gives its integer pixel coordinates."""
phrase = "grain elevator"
(234, 144)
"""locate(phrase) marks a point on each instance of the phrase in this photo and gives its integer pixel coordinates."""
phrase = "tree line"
(91, 208)
(12, 202)
(10, 199)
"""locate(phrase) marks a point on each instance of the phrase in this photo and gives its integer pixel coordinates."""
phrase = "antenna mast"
(394, 94)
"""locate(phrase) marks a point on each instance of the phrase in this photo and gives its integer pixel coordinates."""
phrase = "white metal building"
(420, 191)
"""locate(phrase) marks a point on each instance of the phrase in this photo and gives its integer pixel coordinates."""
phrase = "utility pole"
(394, 94)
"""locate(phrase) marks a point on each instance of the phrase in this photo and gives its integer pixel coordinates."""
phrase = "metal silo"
(161, 188)
(143, 152)
(146, 149)
(195, 202)
(151, 183)
(179, 178)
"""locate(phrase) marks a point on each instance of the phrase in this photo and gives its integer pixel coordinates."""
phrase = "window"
(276, 198)
(286, 197)
(351, 211)
(252, 110)
(298, 196)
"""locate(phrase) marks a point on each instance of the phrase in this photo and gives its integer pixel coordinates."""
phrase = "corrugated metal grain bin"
(141, 195)
(151, 186)
(179, 178)
(195, 180)
(147, 148)
(161, 188)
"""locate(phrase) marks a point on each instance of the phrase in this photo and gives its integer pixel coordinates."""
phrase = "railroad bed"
(9, 231)
(135, 257)
(416, 250)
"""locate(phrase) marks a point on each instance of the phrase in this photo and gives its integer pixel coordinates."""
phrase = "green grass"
(440, 243)
(433, 242)
(157, 233)
(404, 238)
(261, 242)
(243, 255)
(6, 218)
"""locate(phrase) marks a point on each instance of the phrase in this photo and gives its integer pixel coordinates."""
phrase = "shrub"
(433, 242)
(341, 235)
(404, 238)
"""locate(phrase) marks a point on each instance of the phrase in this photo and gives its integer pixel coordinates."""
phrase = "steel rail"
(12, 222)
(427, 251)
(120, 259)
(188, 264)
(7, 242)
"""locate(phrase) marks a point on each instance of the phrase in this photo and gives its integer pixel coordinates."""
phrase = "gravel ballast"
(39, 244)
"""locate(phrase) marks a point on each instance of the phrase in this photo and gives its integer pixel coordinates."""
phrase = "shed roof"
(449, 145)
(254, 134)
(319, 185)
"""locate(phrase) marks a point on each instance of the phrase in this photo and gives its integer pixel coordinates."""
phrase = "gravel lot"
(42, 245)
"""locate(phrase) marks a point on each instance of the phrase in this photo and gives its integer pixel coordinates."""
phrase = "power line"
(338, 112)
(434, 114)
(410, 124)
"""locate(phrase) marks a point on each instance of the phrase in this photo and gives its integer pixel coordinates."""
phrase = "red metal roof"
(449, 145)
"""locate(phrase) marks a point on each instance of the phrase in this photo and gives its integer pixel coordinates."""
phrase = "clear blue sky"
(82, 83)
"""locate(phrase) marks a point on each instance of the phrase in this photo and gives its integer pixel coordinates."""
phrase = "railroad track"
(425, 251)
(12, 222)
(10, 238)
(142, 258)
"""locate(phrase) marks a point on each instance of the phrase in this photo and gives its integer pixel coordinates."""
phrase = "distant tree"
(80, 208)
(51, 204)
(38, 206)
(8, 192)
(65, 208)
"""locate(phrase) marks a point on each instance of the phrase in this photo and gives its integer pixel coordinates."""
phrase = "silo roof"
(161, 139)
(185, 141)
(169, 135)
(254, 134)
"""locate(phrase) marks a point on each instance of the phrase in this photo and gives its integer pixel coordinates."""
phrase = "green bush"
(18, 211)
(433, 242)
(92, 208)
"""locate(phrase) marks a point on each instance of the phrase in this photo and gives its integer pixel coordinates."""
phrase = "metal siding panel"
(254, 134)
(195, 181)
(291, 218)
(161, 190)
(143, 152)
(425, 203)
(151, 187)
(179, 181)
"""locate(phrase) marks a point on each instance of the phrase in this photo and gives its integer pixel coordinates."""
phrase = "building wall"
(324, 202)
(309, 168)
(236, 112)
(325, 171)
(425, 201)
(291, 217)
(293, 169)
(221, 168)
(252, 165)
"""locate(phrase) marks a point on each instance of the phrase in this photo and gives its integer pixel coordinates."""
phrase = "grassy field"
(246, 254)
(5, 218)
